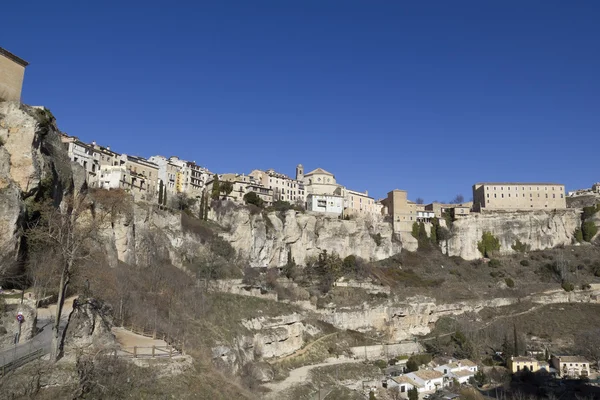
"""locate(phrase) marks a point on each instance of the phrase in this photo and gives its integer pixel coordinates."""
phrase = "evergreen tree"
(206, 202)
(201, 215)
(165, 197)
(160, 192)
(415, 230)
(413, 394)
(216, 188)
(435, 224)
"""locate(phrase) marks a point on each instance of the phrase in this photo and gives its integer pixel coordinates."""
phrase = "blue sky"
(430, 97)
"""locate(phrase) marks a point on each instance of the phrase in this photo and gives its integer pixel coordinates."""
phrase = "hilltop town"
(182, 281)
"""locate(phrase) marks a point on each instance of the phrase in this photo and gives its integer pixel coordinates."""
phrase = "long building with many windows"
(512, 196)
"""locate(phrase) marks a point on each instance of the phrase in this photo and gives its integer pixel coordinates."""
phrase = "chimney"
(93, 143)
(366, 192)
(107, 147)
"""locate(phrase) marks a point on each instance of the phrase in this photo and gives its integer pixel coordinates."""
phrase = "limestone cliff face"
(266, 239)
(538, 229)
(31, 161)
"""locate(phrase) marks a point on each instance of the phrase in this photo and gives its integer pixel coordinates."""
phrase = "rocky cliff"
(266, 239)
(539, 229)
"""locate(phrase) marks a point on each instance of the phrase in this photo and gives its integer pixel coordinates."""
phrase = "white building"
(424, 380)
(461, 370)
(167, 172)
(325, 203)
(83, 154)
(112, 177)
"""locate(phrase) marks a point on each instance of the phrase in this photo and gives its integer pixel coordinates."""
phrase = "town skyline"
(384, 97)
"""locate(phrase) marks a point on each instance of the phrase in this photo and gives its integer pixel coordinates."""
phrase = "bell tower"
(299, 172)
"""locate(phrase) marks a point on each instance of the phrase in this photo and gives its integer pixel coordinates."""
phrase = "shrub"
(520, 247)
(578, 235)
(590, 211)
(381, 364)
(589, 230)
(568, 286)
(253, 198)
(497, 274)
(586, 286)
(509, 282)
(377, 238)
(524, 263)
(488, 244)
(494, 263)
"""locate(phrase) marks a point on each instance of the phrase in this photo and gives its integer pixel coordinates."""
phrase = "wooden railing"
(157, 335)
(22, 361)
(148, 352)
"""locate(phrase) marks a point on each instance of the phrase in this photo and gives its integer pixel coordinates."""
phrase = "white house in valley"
(325, 203)
(461, 370)
(424, 380)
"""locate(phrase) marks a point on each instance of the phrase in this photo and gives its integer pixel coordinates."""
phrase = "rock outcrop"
(89, 325)
(538, 229)
(266, 239)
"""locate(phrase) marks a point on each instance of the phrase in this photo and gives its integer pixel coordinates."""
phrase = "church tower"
(299, 172)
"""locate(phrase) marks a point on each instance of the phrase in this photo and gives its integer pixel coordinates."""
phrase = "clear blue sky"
(429, 97)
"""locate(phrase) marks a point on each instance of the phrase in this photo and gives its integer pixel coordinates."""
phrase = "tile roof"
(319, 171)
(467, 363)
(463, 372)
(428, 375)
(523, 359)
(571, 359)
(405, 379)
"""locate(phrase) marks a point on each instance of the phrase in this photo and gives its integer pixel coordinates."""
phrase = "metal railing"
(22, 361)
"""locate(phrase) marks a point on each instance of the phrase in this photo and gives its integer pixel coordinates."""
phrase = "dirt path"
(304, 349)
(300, 375)
(128, 340)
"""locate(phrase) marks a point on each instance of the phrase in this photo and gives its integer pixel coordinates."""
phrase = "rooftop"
(462, 373)
(572, 359)
(467, 363)
(405, 379)
(427, 375)
(519, 183)
(524, 359)
(14, 58)
(319, 171)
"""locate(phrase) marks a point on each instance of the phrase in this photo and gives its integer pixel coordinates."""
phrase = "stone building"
(12, 72)
(456, 210)
(243, 184)
(596, 187)
(359, 203)
(167, 172)
(402, 211)
(512, 196)
(319, 181)
(284, 188)
(572, 366)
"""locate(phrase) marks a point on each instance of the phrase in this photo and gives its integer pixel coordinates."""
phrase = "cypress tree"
(516, 341)
(216, 189)
(201, 216)
(165, 197)
(160, 192)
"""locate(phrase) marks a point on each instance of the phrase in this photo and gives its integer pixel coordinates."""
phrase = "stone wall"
(386, 351)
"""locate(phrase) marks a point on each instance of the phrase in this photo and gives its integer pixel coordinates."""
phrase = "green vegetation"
(520, 247)
(524, 263)
(225, 188)
(160, 192)
(415, 361)
(568, 286)
(590, 211)
(216, 188)
(488, 245)
(494, 263)
(283, 206)
(413, 394)
(578, 234)
(509, 282)
(415, 230)
(588, 230)
(377, 238)
(254, 199)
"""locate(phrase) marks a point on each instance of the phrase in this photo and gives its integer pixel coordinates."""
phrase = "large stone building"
(243, 184)
(319, 181)
(456, 210)
(284, 188)
(83, 154)
(12, 72)
(512, 196)
(359, 203)
(167, 172)
(402, 211)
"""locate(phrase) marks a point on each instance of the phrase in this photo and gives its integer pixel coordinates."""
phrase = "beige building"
(12, 72)
(167, 173)
(284, 188)
(243, 184)
(319, 181)
(456, 210)
(510, 196)
(573, 366)
(596, 187)
(402, 211)
(359, 203)
(519, 364)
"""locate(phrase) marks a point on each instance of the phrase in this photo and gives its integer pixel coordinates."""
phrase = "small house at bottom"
(572, 366)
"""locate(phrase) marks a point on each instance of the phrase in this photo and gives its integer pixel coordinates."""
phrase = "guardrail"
(148, 352)
(156, 335)
(21, 361)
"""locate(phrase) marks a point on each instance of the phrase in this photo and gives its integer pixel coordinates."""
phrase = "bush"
(520, 247)
(253, 198)
(578, 235)
(524, 263)
(381, 364)
(494, 263)
(497, 274)
(377, 238)
(586, 286)
(568, 286)
(589, 230)
(509, 282)
(488, 244)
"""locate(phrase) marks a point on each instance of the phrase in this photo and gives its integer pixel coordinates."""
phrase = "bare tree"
(459, 199)
(420, 200)
(68, 233)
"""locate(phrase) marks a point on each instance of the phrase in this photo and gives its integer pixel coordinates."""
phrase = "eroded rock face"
(538, 229)
(88, 326)
(267, 239)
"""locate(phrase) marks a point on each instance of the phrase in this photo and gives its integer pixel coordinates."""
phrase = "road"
(300, 375)
(43, 340)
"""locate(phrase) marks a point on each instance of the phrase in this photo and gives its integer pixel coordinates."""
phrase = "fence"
(157, 335)
(148, 352)
(22, 361)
